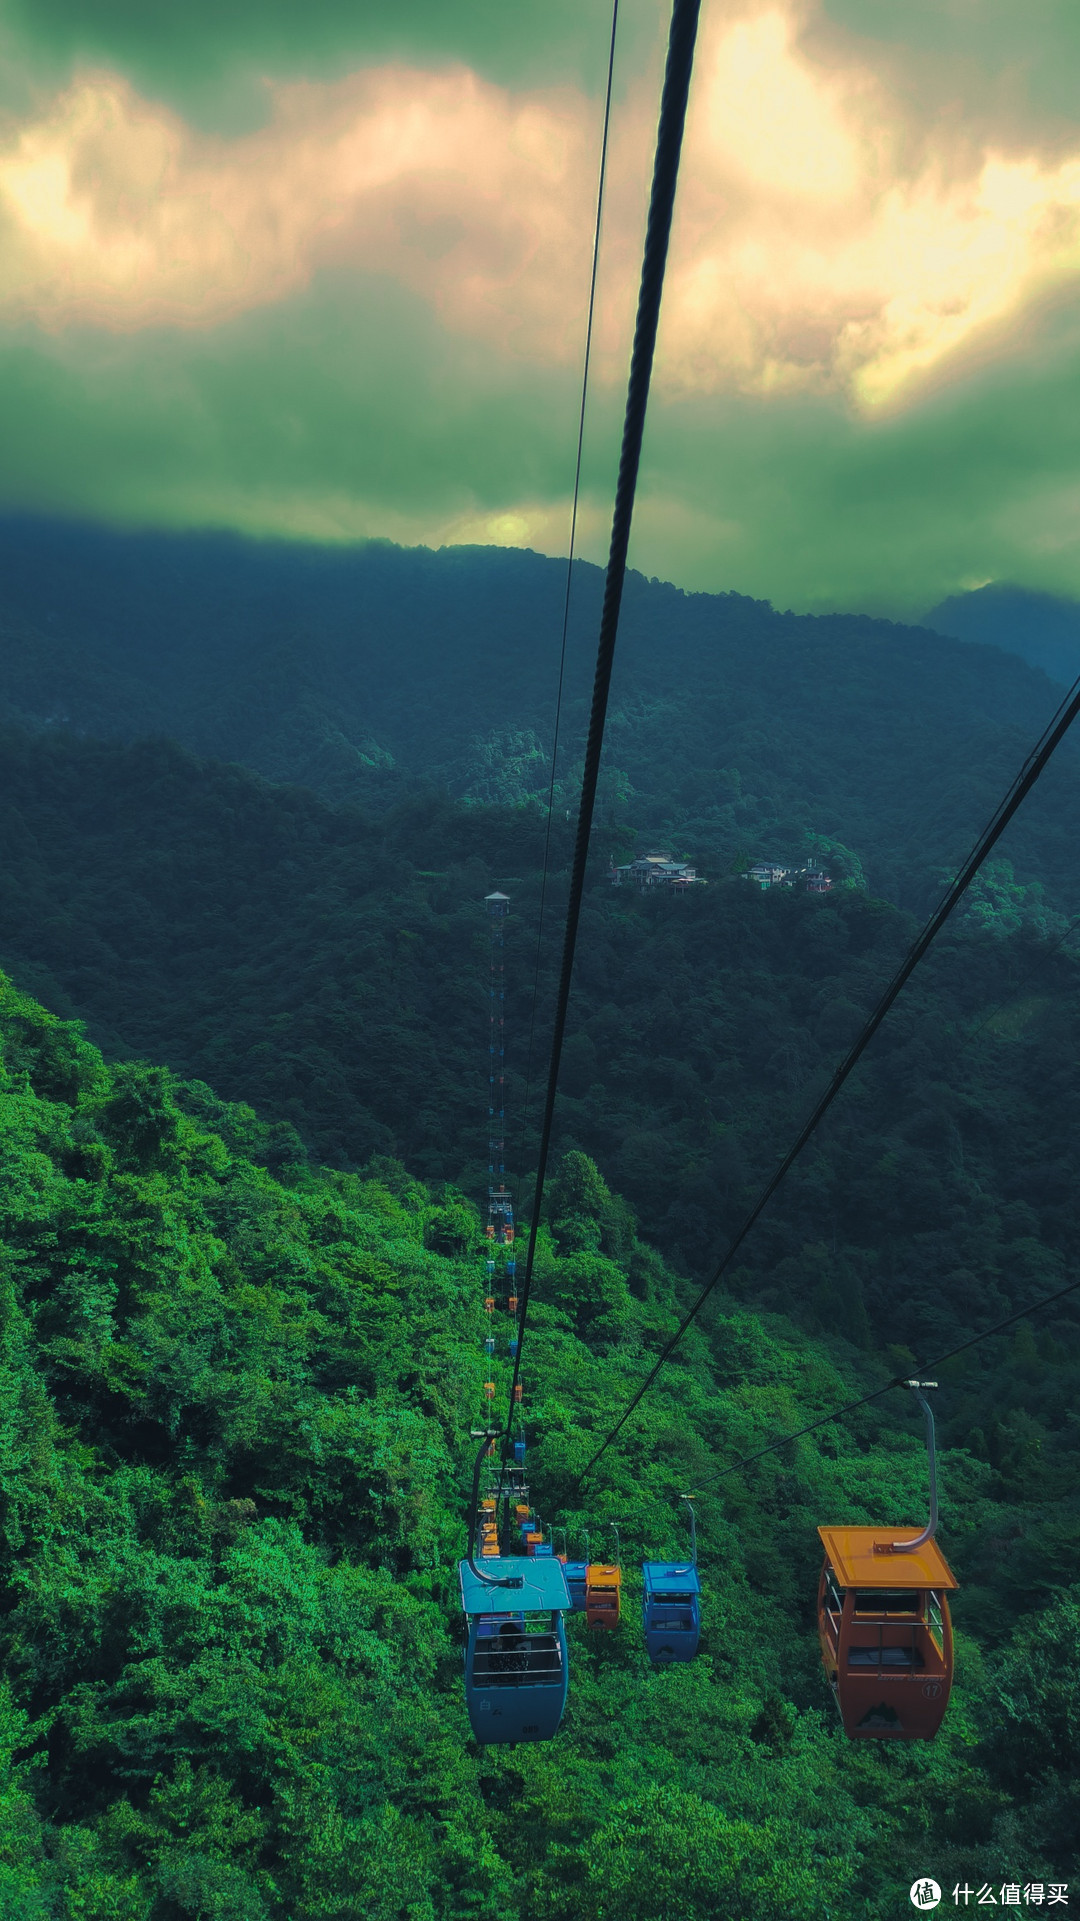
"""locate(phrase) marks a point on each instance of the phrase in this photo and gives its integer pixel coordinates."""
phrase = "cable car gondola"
(884, 1624)
(603, 1589)
(603, 1584)
(577, 1576)
(670, 1605)
(670, 1611)
(515, 1659)
(515, 1654)
(886, 1636)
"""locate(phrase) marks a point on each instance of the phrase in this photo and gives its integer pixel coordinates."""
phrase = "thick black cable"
(991, 834)
(898, 1380)
(680, 61)
(569, 576)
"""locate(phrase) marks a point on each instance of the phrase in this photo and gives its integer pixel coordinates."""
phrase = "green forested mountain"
(242, 1342)
(1042, 628)
(332, 971)
(355, 672)
(233, 1463)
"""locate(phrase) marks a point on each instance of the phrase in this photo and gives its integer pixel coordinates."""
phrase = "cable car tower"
(500, 1221)
(499, 1231)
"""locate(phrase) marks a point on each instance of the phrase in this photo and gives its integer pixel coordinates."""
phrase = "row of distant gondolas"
(883, 1612)
(516, 1656)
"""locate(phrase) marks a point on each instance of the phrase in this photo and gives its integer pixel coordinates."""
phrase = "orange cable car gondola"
(603, 1588)
(884, 1625)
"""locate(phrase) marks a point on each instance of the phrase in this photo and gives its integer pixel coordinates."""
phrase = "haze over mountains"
(308, 941)
(360, 672)
(1042, 628)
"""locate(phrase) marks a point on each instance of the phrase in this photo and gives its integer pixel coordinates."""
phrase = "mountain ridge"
(1042, 628)
(733, 728)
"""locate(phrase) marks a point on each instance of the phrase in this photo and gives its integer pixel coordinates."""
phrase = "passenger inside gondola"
(666, 1616)
(509, 1649)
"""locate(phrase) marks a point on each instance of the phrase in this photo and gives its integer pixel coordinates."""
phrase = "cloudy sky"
(319, 270)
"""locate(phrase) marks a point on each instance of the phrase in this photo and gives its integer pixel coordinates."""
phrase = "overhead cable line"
(898, 1380)
(569, 568)
(991, 834)
(680, 61)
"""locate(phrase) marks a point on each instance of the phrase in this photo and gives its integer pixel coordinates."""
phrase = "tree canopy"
(233, 1455)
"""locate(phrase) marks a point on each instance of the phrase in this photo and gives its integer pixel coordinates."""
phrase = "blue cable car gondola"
(670, 1605)
(670, 1611)
(577, 1575)
(516, 1659)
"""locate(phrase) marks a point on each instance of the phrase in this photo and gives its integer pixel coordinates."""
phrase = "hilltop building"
(656, 870)
(767, 873)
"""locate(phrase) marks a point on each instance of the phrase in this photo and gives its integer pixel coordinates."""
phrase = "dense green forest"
(332, 972)
(233, 1467)
(356, 672)
(241, 1326)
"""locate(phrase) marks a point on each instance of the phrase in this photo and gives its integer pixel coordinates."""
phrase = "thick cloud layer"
(359, 310)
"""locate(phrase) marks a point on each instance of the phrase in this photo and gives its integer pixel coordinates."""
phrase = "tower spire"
(500, 1222)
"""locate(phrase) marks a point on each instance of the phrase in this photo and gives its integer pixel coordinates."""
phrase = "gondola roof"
(543, 1585)
(851, 1554)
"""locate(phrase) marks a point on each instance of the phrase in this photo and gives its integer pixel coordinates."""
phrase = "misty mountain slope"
(734, 729)
(333, 971)
(1044, 629)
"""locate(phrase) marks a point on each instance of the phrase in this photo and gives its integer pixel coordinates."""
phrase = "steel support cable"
(569, 572)
(680, 61)
(991, 834)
